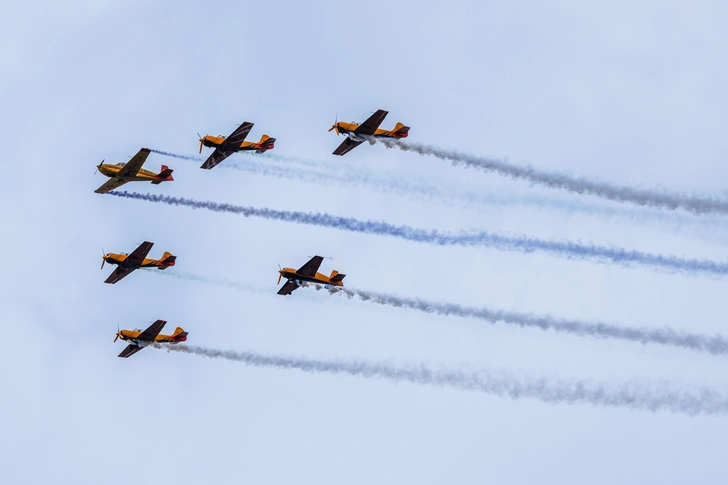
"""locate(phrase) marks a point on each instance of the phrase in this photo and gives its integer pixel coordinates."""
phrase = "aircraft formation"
(132, 171)
(308, 274)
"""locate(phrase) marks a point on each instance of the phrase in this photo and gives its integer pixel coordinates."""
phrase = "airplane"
(357, 133)
(307, 274)
(151, 335)
(224, 147)
(131, 171)
(126, 263)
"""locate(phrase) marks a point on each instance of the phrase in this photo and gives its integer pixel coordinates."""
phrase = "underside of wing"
(130, 350)
(110, 184)
(137, 256)
(238, 136)
(216, 157)
(309, 269)
(152, 331)
(372, 123)
(132, 166)
(288, 288)
(118, 274)
(346, 146)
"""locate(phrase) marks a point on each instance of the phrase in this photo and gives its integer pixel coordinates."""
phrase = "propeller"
(336, 124)
(280, 275)
(117, 332)
(103, 258)
(201, 142)
(99, 166)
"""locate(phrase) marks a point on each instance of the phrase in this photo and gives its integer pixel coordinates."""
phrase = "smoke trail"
(644, 397)
(177, 155)
(523, 244)
(265, 156)
(180, 275)
(716, 345)
(712, 344)
(646, 197)
(320, 173)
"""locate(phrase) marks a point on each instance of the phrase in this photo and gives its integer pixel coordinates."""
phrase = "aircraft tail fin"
(266, 143)
(179, 335)
(400, 130)
(168, 259)
(336, 277)
(165, 175)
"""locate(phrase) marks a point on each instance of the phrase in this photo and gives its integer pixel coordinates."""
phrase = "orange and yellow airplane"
(224, 147)
(151, 335)
(126, 263)
(131, 171)
(358, 133)
(308, 274)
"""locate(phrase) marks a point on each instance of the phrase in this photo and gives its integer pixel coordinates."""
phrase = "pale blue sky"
(627, 93)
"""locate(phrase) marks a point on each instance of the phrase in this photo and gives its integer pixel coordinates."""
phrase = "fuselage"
(133, 335)
(112, 170)
(291, 275)
(219, 141)
(120, 259)
(349, 128)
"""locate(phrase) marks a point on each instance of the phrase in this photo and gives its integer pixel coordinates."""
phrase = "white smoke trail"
(642, 197)
(647, 397)
(321, 173)
(523, 244)
(713, 344)
(180, 275)
(268, 156)
(177, 155)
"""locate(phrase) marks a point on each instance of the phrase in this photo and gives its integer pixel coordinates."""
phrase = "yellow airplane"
(358, 133)
(224, 147)
(126, 263)
(308, 274)
(151, 335)
(131, 171)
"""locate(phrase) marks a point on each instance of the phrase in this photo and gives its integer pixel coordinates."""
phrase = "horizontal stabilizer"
(266, 143)
(337, 278)
(164, 176)
(401, 131)
(179, 335)
(168, 259)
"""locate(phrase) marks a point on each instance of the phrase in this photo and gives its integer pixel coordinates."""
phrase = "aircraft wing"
(237, 137)
(346, 146)
(110, 185)
(216, 157)
(137, 256)
(130, 350)
(119, 273)
(372, 123)
(288, 288)
(152, 331)
(309, 269)
(132, 166)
